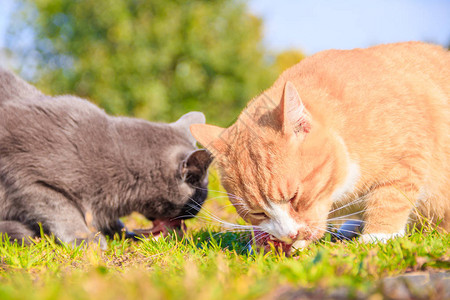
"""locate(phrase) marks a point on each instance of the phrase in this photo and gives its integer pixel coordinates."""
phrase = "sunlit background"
(316, 25)
(158, 59)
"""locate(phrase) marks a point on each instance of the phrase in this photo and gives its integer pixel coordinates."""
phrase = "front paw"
(379, 237)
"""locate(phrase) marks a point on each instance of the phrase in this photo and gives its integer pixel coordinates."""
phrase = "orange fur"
(370, 124)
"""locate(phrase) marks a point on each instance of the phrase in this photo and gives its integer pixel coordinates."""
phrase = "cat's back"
(390, 65)
(376, 68)
(45, 132)
(13, 87)
(28, 98)
(28, 113)
(24, 110)
(403, 81)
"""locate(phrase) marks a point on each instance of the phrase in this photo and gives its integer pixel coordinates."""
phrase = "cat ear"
(210, 136)
(186, 120)
(295, 119)
(195, 165)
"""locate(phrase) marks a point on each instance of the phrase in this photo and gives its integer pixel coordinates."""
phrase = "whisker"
(355, 213)
(356, 220)
(209, 217)
(254, 239)
(229, 194)
(227, 224)
(360, 199)
(219, 197)
(235, 228)
(345, 230)
(234, 204)
(246, 213)
(335, 234)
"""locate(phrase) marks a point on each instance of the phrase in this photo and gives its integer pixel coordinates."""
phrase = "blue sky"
(314, 25)
(5, 10)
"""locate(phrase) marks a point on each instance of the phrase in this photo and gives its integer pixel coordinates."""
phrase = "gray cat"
(67, 165)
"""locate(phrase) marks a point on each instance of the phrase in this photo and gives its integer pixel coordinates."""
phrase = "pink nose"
(294, 236)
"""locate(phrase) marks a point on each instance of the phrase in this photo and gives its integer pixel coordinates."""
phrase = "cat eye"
(259, 215)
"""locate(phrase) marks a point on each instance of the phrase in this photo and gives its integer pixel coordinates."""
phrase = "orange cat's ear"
(211, 137)
(295, 119)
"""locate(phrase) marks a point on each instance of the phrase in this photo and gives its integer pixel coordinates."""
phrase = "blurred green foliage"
(151, 59)
(287, 59)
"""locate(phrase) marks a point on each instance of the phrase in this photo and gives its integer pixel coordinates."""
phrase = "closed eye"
(259, 215)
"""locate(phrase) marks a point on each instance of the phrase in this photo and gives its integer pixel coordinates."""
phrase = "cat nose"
(294, 236)
(300, 234)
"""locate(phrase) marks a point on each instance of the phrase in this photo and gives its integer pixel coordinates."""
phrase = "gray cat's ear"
(194, 167)
(186, 120)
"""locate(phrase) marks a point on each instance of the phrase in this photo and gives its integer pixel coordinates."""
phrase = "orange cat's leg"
(387, 212)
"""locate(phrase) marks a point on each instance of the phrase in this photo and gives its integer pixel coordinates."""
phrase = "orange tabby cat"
(369, 127)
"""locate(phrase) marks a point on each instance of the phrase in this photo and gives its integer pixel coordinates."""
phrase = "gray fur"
(67, 165)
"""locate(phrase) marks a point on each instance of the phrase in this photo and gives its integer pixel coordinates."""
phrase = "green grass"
(205, 265)
(208, 264)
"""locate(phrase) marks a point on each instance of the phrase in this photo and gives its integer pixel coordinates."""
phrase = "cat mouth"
(267, 242)
(162, 228)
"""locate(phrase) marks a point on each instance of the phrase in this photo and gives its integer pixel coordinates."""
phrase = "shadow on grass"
(238, 242)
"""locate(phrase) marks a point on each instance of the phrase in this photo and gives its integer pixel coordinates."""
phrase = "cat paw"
(379, 237)
(349, 230)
